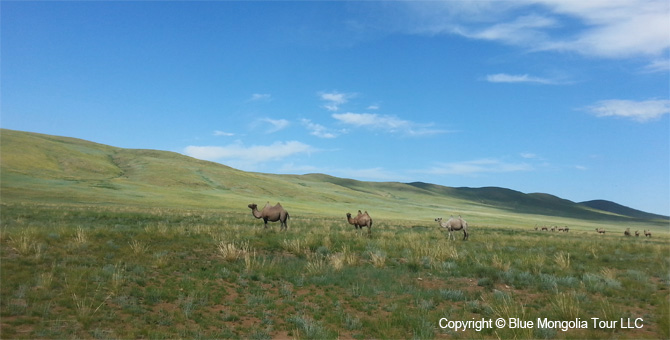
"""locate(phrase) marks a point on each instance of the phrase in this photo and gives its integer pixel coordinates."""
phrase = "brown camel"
(600, 230)
(647, 233)
(360, 221)
(626, 232)
(454, 224)
(270, 213)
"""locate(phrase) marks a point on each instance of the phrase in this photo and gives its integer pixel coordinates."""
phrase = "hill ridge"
(45, 168)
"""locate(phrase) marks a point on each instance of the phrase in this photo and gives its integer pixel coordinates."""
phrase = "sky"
(570, 98)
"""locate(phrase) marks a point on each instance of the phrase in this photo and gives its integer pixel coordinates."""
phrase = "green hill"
(619, 209)
(38, 168)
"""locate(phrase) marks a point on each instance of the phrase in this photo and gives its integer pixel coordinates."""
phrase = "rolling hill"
(38, 168)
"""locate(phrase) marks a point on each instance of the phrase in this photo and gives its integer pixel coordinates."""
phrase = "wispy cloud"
(476, 167)
(318, 129)
(608, 29)
(386, 123)
(641, 111)
(335, 99)
(523, 78)
(275, 124)
(658, 65)
(223, 133)
(246, 157)
(260, 97)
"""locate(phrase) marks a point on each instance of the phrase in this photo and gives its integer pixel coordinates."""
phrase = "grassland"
(92, 272)
(102, 242)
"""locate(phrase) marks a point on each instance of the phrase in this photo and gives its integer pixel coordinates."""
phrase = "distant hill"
(619, 209)
(45, 169)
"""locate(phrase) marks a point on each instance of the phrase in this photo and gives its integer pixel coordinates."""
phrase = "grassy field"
(78, 271)
(104, 242)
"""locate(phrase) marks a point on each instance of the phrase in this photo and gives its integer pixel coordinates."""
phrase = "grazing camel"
(600, 230)
(566, 229)
(544, 228)
(647, 233)
(561, 229)
(553, 228)
(360, 221)
(637, 233)
(454, 224)
(270, 213)
(626, 232)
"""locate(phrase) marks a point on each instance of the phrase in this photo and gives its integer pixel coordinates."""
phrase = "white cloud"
(528, 155)
(641, 111)
(276, 124)
(658, 65)
(335, 99)
(260, 97)
(385, 123)
(318, 129)
(248, 156)
(524, 78)
(223, 133)
(600, 28)
(475, 167)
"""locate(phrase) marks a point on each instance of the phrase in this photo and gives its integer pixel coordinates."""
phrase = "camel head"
(252, 206)
(438, 219)
(348, 215)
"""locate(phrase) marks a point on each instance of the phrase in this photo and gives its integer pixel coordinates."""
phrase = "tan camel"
(626, 232)
(454, 224)
(566, 229)
(360, 221)
(647, 233)
(637, 233)
(544, 228)
(600, 230)
(270, 213)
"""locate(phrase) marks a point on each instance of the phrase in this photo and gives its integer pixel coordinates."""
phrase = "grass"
(103, 242)
(91, 271)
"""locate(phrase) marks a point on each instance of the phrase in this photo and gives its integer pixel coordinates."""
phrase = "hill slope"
(41, 168)
(619, 209)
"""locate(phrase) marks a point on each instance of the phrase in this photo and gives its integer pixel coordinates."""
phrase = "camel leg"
(266, 222)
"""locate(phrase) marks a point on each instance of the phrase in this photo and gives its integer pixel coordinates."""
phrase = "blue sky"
(570, 98)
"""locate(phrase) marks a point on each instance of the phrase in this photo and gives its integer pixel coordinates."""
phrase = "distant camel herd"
(278, 213)
(554, 228)
(626, 232)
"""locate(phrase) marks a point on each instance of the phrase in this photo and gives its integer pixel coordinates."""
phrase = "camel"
(360, 221)
(561, 229)
(270, 213)
(626, 232)
(647, 233)
(544, 228)
(600, 230)
(454, 224)
(637, 233)
(566, 229)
